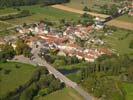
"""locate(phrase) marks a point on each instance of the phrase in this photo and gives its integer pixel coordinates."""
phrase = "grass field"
(15, 77)
(128, 87)
(92, 4)
(40, 13)
(64, 94)
(119, 41)
(7, 11)
(126, 18)
(4, 25)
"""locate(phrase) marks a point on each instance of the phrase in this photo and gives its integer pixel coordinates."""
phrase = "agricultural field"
(13, 74)
(94, 5)
(6, 11)
(128, 87)
(119, 41)
(64, 94)
(126, 18)
(4, 25)
(42, 13)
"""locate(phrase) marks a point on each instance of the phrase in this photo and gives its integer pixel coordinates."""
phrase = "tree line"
(41, 83)
(104, 77)
(13, 3)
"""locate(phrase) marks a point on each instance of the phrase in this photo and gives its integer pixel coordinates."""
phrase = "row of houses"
(71, 49)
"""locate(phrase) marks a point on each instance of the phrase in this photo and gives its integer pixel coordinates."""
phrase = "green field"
(7, 11)
(18, 75)
(126, 18)
(4, 25)
(40, 13)
(119, 41)
(94, 5)
(65, 94)
(128, 87)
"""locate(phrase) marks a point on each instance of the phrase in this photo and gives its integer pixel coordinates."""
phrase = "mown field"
(42, 13)
(119, 41)
(128, 87)
(64, 94)
(126, 18)
(14, 74)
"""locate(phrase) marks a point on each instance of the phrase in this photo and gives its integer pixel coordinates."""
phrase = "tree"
(87, 19)
(23, 48)
(85, 8)
(7, 52)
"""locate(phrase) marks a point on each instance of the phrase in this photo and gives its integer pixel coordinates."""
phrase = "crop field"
(64, 94)
(14, 74)
(4, 25)
(6, 11)
(40, 13)
(126, 18)
(119, 41)
(92, 4)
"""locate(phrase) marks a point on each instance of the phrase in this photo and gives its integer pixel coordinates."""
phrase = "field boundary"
(69, 9)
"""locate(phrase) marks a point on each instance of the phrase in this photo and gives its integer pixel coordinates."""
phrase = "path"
(62, 7)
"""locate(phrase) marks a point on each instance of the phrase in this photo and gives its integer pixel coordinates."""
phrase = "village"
(48, 38)
(66, 50)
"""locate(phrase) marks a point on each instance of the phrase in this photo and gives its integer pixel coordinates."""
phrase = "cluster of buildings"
(130, 13)
(65, 44)
(47, 38)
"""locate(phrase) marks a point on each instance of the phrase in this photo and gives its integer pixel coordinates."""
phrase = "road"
(56, 73)
(62, 7)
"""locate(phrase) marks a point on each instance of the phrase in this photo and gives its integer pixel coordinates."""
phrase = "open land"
(19, 74)
(64, 94)
(120, 40)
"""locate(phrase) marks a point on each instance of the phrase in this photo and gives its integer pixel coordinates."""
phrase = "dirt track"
(62, 7)
(121, 24)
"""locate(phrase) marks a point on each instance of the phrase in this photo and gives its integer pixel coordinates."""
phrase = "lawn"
(119, 41)
(128, 87)
(126, 18)
(64, 94)
(40, 13)
(18, 74)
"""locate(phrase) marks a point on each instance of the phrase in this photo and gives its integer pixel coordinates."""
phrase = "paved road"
(55, 72)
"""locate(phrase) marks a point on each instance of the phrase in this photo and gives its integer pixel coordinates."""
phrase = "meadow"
(119, 41)
(42, 13)
(13, 74)
(4, 25)
(64, 94)
(126, 18)
(128, 88)
(94, 5)
(5, 11)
